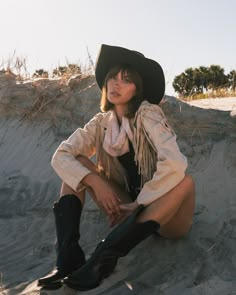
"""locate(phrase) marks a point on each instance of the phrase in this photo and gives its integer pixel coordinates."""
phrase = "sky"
(177, 33)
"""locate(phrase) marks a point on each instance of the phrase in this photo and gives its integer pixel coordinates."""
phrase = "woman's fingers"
(125, 211)
(108, 199)
(113, 205)
(116, 205)
(112, 209)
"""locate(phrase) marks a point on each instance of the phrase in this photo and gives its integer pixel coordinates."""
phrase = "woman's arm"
(77, 176)
(171, 163)
(81, 142)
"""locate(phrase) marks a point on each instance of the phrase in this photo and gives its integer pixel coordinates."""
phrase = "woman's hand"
(106, 197)
(125, 211)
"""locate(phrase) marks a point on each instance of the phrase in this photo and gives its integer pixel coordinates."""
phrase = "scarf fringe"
(145, 153)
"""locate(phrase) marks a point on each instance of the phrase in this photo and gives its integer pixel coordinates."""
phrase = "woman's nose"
(116, 83)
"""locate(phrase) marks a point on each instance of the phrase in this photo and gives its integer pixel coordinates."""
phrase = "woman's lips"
(114, 93)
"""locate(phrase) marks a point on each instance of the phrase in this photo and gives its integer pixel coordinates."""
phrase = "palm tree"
(180, 84)
(204, 74)
(217, 77)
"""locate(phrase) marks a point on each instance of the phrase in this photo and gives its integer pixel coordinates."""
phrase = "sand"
(203, 262)
(218, 103)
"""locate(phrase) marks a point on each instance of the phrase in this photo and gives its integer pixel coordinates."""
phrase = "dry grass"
(17, 66)
(44, 91)
(221, 92)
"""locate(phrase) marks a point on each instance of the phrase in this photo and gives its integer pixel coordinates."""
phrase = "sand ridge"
(204, 262)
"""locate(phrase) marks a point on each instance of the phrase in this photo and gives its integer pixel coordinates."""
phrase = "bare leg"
(173, 211)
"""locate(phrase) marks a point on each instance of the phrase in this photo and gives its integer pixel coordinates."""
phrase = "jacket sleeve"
(171, 163)
(81, 142)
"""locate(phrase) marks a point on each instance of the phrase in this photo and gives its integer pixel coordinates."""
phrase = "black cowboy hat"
(150, 71)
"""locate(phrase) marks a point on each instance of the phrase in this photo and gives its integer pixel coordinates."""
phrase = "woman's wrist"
(91, 180)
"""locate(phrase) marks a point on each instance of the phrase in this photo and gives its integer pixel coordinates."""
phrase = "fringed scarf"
(116, 141)
(109, 146)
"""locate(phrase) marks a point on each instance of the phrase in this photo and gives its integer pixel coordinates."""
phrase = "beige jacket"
(161, 164)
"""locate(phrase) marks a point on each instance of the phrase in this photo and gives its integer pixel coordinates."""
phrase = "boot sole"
(51, 286)
(78, 288)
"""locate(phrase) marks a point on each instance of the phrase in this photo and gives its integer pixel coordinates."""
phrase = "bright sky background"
(177, 33)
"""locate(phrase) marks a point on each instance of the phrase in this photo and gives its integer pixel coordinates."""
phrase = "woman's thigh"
(174, 210)
(181, 222)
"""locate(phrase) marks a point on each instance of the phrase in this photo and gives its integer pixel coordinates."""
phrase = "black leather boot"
(117, 244)
(70, 256)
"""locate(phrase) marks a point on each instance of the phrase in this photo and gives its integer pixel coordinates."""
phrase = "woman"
(138, 180)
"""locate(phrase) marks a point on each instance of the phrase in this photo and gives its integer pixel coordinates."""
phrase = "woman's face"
(120, 89)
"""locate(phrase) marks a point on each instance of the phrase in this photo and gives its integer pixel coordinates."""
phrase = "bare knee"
(189, 185)
(67, 190)
(189, 180)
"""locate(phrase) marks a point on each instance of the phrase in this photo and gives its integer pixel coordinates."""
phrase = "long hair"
(134, 77)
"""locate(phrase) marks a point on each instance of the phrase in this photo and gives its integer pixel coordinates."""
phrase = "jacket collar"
(106, 117)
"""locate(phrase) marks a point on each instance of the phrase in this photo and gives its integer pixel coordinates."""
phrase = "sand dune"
(204, 262)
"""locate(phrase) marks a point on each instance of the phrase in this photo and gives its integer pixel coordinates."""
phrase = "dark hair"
(134, 77)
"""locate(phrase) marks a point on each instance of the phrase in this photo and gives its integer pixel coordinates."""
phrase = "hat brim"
(150, 71)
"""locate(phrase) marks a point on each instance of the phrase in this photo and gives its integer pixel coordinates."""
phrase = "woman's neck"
(120, 111)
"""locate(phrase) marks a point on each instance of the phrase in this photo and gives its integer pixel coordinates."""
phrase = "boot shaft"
(129, 234)
(67, 213)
